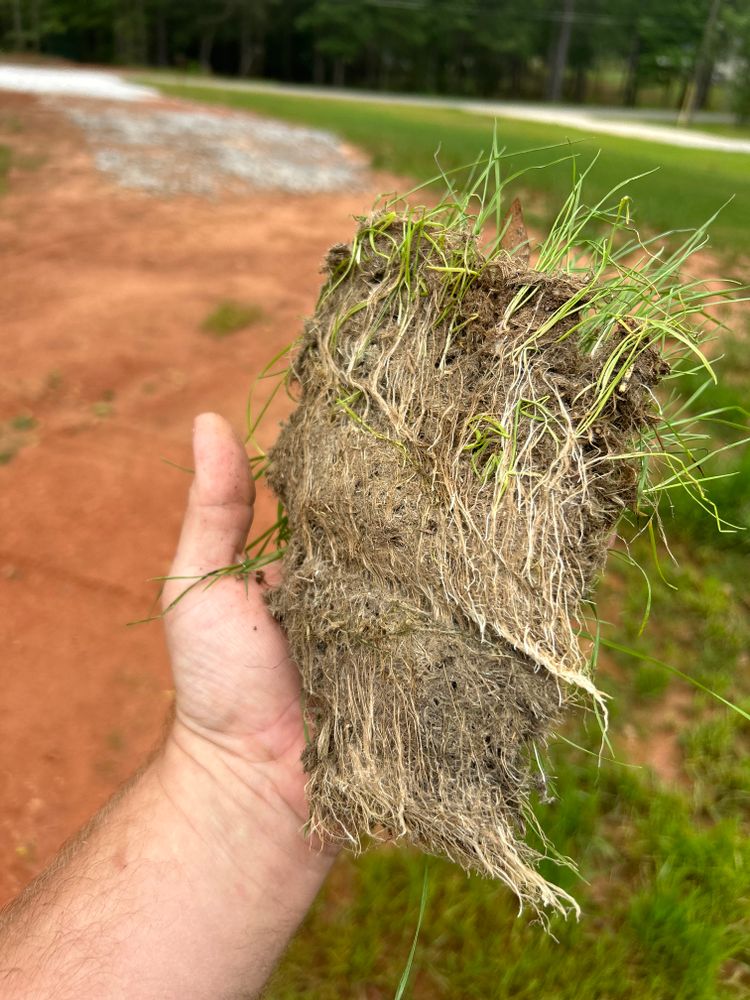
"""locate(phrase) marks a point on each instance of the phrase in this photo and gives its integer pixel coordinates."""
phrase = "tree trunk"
(703, 85)
(560, 55)
(630, 89)
(162, 43)
(684, 91)
(580, 85)
(206, 48)
(516, 76)
(17, 26)
(339, 72)
(246, 42)
(140, 34)
(384, 75)
(36, 25)
(703, 65)
(319, 68)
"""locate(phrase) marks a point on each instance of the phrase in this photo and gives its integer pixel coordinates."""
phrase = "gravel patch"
(204, 153)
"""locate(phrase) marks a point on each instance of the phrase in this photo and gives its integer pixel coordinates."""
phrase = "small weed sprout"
(230, 317)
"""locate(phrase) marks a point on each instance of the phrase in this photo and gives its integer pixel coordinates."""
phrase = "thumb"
(220, 504)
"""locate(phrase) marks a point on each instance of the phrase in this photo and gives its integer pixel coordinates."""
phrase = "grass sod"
(685, 189)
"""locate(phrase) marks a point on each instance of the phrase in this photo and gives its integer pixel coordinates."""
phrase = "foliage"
(739, 24)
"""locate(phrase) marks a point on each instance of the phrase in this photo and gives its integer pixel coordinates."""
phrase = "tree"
(697, 89)
(738, 23)
(559, 54)
(340, 29)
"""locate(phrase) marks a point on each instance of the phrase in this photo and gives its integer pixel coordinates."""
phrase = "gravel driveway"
(167, 151)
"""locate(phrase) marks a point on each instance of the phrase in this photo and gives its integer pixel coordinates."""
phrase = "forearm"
(188, 887)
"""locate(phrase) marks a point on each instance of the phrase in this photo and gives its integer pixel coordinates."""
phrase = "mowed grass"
(664, 853)
(688, 186)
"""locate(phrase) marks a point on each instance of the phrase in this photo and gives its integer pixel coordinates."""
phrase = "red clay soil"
(102, 297)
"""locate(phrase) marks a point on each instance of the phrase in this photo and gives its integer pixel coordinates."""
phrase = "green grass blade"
(410, 961)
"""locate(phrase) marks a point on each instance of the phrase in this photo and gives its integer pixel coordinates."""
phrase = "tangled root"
(452, 476)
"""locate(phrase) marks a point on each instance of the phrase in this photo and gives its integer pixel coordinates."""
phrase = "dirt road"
(103, 364)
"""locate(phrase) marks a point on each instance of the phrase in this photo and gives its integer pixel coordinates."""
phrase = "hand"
(237, 689)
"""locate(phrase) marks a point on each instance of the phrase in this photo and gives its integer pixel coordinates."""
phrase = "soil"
(103, 365)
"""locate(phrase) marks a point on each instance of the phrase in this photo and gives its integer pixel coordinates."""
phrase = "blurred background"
(171, 176)
(684, 54)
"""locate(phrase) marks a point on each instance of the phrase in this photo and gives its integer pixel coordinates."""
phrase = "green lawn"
(665, 861)
(687, 188)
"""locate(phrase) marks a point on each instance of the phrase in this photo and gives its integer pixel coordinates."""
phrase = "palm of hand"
(236, 684)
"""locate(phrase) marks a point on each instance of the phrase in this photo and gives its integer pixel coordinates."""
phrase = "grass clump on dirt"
(470, 432)
(15, 434)
(229, 317)
(5, 160)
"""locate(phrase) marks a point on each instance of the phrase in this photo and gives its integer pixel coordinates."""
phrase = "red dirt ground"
(102, 297)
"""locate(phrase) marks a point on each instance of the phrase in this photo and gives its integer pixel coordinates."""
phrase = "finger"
(273, 574)
(220, 504)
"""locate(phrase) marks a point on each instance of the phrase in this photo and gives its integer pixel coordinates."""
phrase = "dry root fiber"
(452, 479)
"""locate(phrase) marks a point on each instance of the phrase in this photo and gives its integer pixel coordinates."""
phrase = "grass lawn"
(665, 857)
(688, 187)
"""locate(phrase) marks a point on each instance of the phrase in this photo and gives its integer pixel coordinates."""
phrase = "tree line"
(574, 50)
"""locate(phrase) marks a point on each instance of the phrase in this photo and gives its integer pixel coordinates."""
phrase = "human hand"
(238, 702)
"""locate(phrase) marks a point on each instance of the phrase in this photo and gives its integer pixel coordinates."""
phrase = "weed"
(29, 161)
(23, 422)
(11, 124)
(102, 408)
(115, 740)
(230, 316)
(5, 161)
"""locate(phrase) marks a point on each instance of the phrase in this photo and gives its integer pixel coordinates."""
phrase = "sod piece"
(451, 494)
